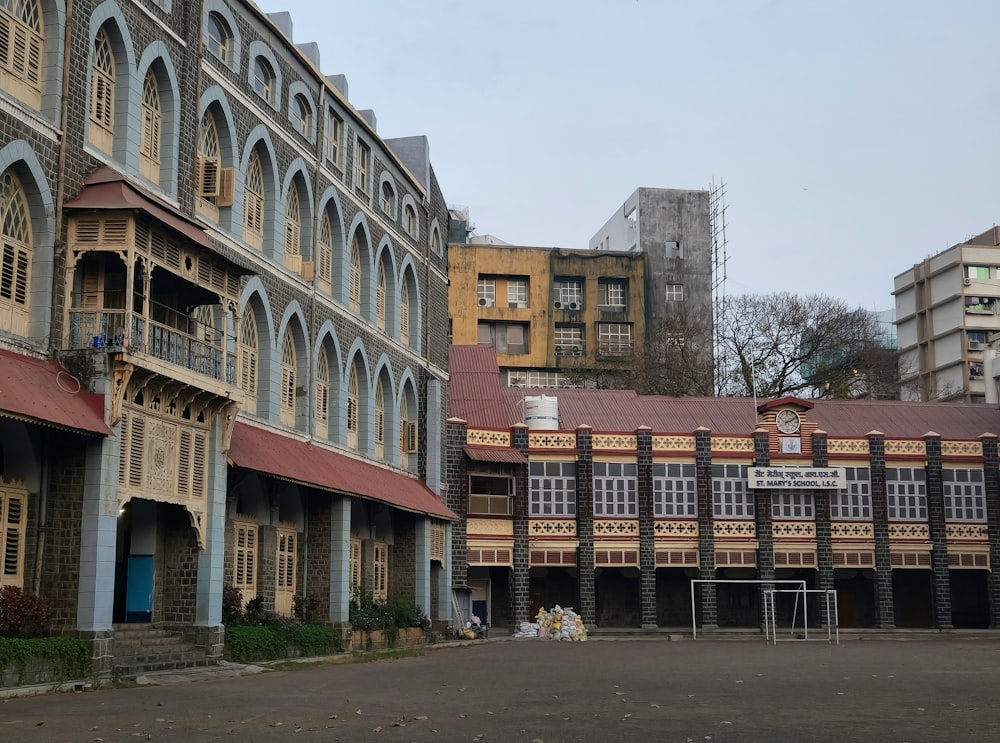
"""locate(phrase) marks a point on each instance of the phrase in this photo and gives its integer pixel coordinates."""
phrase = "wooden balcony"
(135, 335)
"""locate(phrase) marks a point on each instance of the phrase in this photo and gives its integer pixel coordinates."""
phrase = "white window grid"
(730, 497)
(964, 495)
(613, 293)
(569, 335)
(569, 292)
(675, 292)
(552, 488)
(675, 490)
(334, 136)
(517, 292)
(614, 339)
(615, 489)
(486, 292)
(795, 505)
(906, 493)
(535, 378)
(854, 502)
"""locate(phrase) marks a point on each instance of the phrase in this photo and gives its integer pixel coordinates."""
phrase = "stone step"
(143, 648)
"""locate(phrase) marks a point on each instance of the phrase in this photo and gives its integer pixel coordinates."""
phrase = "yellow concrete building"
(556, 317)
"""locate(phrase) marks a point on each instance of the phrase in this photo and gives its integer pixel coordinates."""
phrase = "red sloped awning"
(489, 454)
(107, 189)
(42, 392)
(308, 464)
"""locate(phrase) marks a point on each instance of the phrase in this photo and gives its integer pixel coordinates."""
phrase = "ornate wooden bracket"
(229, 412)
(121, 376)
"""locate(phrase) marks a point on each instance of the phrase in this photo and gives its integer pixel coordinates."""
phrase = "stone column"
(339, 556)
(647, 524)
(824, 539)
(422, 563)
(941, 578)
(991, 484)
(763, 518)
(457, 488)
(211, 559)
(585, 524)
(519, 588)
(880, 526)
(706, 595)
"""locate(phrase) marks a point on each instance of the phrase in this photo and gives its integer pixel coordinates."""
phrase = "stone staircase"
(145, 648)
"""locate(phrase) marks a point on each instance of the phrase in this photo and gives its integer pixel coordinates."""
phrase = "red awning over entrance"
(42, 392)
(306, 463)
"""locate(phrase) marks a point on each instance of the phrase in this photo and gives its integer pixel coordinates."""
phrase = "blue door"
(139, 591)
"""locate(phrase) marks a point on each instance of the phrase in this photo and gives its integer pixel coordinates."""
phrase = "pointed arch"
(386, 293)
(357, 270)
(410, 318)
(158, 120)
(254, 298)
(109, 82)
(357, 399)
(215, 174)
(326, 410)
(259, 193)
(330, 245)
(298, 220)
(409, 417)
(384, 416)
(292, 409)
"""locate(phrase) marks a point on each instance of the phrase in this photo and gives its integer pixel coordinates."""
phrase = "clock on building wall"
(787, 421)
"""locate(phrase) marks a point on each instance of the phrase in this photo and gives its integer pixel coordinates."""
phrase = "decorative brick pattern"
(674, 444)
(647, 533)
(991, 478)
(487, 437)
(707, 595)
(939, 538)
(585, 525)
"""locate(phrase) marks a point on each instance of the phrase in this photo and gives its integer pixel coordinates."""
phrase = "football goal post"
(799, 588)
(829, 607)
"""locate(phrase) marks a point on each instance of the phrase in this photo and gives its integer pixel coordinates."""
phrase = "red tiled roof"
(306, 463)
(43, 392)
(489, 454)
(477, 397)
(108, 189)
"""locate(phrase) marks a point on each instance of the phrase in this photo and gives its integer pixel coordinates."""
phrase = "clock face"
(787, 421)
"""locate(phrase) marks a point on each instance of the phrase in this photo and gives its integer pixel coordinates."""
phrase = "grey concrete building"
(673, 228)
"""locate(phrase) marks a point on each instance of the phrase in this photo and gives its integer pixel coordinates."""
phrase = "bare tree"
(812, 346)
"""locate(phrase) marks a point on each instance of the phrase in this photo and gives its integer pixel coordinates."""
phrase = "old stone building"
(222, 294)
(619, 501)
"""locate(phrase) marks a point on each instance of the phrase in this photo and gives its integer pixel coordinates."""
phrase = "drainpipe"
(43, 513)
(61, 167)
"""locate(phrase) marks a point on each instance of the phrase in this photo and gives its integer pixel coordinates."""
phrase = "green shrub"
(249, 643)
(232, 605)
(316, 639)
(70, 658)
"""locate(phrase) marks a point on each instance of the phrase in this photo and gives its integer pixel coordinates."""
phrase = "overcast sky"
(855, 137)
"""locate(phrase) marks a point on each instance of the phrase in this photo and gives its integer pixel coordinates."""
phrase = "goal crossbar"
(832, 613)
(785, 582)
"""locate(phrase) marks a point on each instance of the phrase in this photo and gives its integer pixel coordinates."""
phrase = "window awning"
(490, 454)
(108, 189)
(305, 463)
(40, 391)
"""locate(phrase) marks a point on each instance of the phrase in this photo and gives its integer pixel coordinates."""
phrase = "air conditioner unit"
(967, 281)
(559, 350)
(482, 301)
(574, 306)
(576, 350)
(975, 346)
(557, 304)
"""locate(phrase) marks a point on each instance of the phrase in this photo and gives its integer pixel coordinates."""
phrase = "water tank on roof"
(541, 412)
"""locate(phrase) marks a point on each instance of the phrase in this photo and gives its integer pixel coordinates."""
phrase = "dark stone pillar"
(519, 587)
(706, 595)
(764, 520)
(457, 488)
(991, 483)
(941, 578)
(585, 525)
(880, 526)
(821, 502)
(647, 536)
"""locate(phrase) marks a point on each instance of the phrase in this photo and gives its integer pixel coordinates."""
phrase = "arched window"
(21, 50)
(379, 421)
(209, 166)
(380, 298)
(352, 409)
(220, 38)
(322, 412)
(253, 207)
(248, 359)
(404, 314)
(102, 93)
(15, 275)
(263, 79)
(293, 231)
(436, 242)
(324, 253)
(152, 121)
(302, 115)
(287, 407)
(355, 287)
(407, 433)
(410, 221)
(388, 199)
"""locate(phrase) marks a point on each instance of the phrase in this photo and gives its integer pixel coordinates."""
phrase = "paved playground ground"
(539, 690)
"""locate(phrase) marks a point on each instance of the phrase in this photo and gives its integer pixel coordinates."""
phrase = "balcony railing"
(107, 329)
